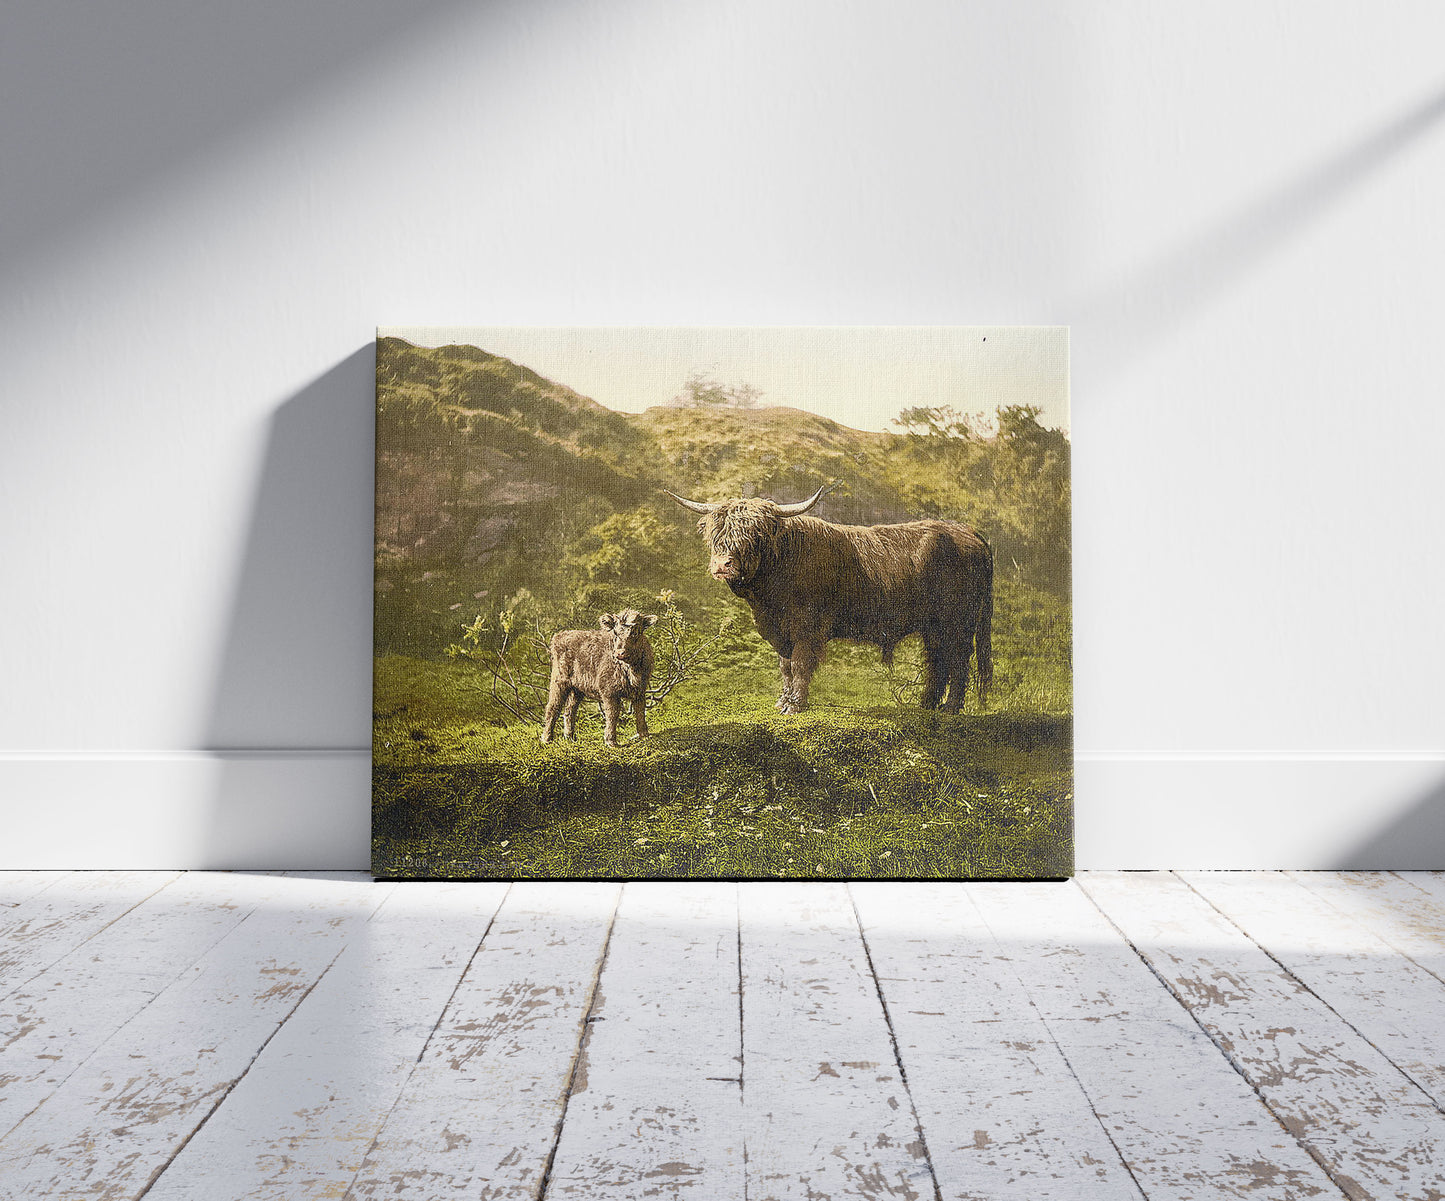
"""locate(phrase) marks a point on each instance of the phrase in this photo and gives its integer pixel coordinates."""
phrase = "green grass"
(857, 786)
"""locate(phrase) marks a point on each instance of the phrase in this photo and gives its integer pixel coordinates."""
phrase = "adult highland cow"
(808, 581)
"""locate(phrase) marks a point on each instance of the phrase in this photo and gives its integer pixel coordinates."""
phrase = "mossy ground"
(857, 786)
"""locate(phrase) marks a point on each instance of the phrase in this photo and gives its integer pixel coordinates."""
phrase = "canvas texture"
(774, 603)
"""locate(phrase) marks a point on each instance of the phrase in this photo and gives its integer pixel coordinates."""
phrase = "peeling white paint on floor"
(1126, 1035)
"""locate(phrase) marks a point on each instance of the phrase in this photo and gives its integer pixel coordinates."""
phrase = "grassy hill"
(778, 452)
(483, 469)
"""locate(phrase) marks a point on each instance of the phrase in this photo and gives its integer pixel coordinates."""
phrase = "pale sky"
(860, 376)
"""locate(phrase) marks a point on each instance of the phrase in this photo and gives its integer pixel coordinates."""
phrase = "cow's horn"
(803, 505)
(694, 505)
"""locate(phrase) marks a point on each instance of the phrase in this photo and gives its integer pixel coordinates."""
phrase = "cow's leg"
(806, 657)
(555, 696)
(958, 672)
(639, 711)
(784, 646)
(785, 699)
(611, 711)
(957, 682)
(569, 714)
(935, 674)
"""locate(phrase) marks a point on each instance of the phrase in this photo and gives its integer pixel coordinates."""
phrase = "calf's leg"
(569, 714)
(555, 696)
(611, 711)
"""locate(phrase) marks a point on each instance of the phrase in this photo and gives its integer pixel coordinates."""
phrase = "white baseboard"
(186, 809)
(310, 809)
(1242, 810)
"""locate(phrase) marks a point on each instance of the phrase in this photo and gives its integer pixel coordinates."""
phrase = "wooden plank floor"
(1127, 1035)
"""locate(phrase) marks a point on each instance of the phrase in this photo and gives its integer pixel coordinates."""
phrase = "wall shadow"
(293, 679)
(118, 96)
(1414, 842)
(1148, 304)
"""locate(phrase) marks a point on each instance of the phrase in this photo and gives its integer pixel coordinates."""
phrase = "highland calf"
(808, 581)
(611, 664)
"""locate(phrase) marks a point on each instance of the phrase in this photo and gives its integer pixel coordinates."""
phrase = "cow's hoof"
(546, 738)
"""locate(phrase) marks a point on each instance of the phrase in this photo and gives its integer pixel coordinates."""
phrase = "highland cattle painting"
(748, 603)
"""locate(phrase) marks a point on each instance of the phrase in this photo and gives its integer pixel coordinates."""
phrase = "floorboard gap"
(893, 1042)
(1233, 1062)
(742, 1035)
(1305, 988)
(226, 1092)
(100, 930)
(584, 1036)
(1078, 1080)
(80, 1063)
(436, 1025)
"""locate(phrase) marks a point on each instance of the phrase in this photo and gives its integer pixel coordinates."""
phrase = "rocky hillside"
(472, 449)
(493, 483)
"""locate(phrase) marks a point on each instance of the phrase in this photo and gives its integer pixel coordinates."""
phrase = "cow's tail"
(983, 638)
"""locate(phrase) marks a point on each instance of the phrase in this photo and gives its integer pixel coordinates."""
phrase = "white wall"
(208, 206)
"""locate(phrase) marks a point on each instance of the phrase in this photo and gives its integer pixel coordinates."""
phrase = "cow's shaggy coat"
(808, 581)
(611, 664)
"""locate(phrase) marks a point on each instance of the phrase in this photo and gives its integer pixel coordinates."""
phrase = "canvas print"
(722, 603)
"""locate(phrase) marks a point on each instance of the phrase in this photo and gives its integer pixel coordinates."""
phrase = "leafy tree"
(630, 545)
(1003, 473)
(703, 391)
(937, 421)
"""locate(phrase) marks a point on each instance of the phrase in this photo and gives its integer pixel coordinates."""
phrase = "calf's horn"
(803, 505)
(694, 505)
